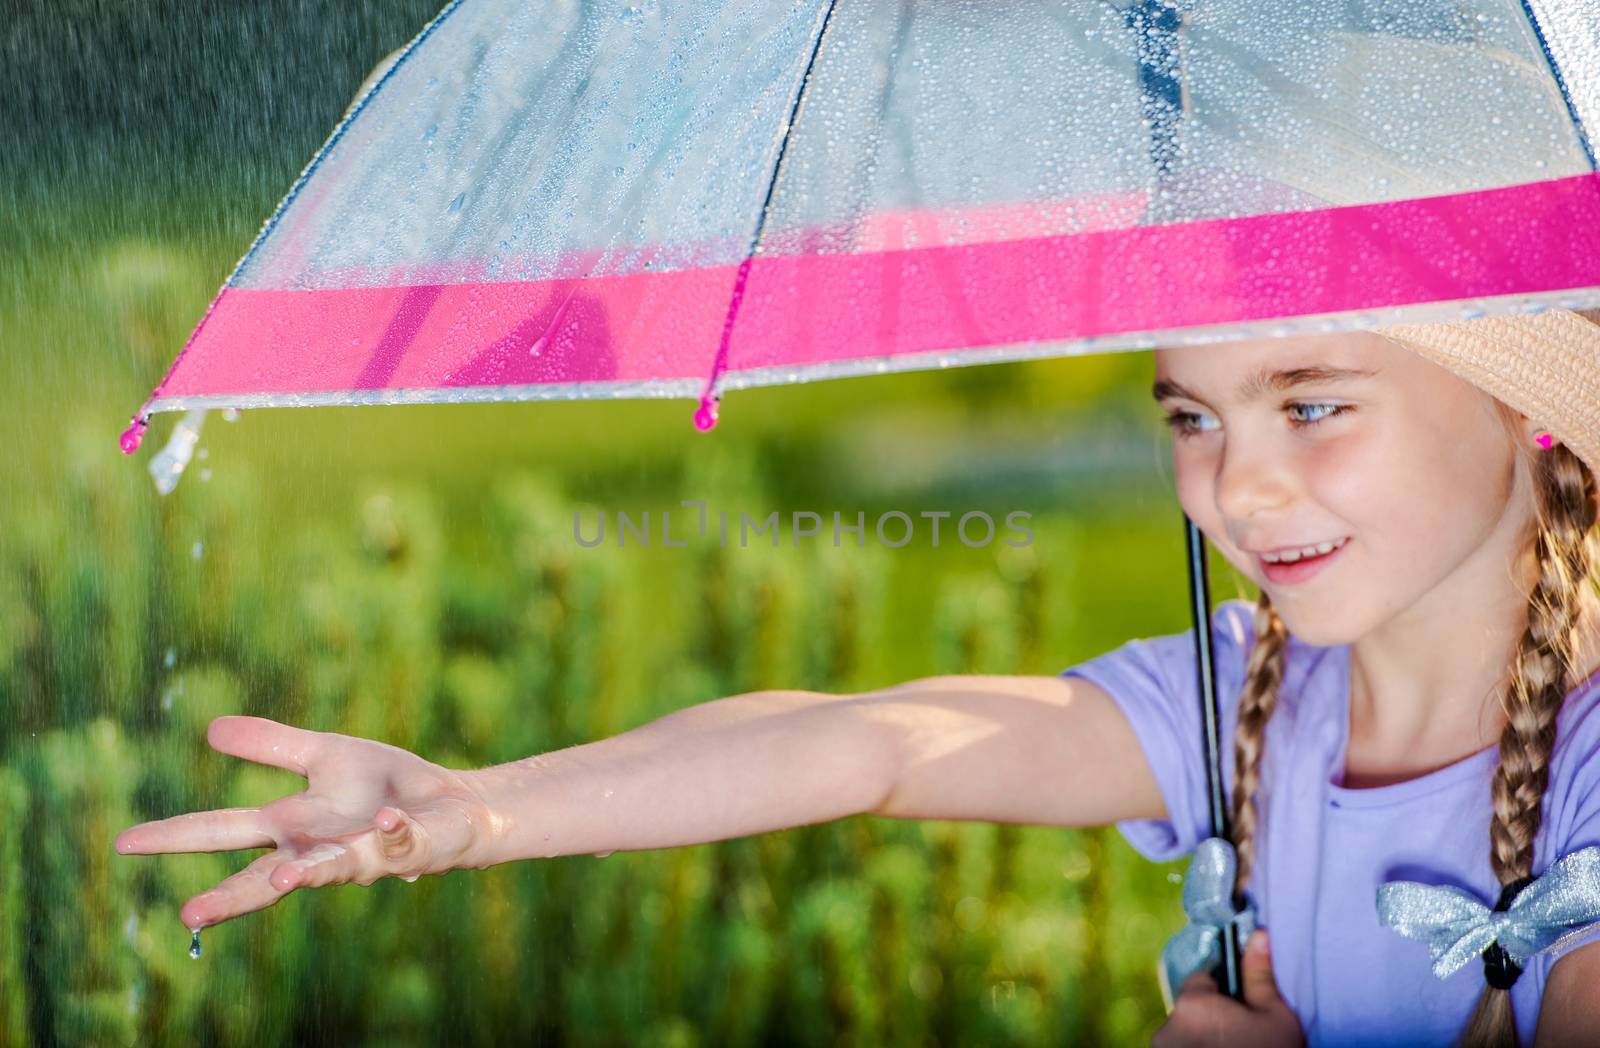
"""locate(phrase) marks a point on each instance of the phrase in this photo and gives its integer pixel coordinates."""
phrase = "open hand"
(369, 810)
(1202, 1015)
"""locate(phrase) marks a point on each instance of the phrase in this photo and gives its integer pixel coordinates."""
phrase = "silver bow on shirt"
(1457, 927)
(1208, 900)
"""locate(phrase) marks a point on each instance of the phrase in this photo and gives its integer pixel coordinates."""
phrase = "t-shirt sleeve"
(1154, 682)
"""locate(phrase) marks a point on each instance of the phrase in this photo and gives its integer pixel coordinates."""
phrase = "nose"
(1251, 478)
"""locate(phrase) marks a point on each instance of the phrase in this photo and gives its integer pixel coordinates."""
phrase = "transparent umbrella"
(577, 199)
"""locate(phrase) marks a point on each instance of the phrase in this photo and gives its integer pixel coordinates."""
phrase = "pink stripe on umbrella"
(805, 309)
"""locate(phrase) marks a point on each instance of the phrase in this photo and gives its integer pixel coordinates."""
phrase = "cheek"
(1193, 481)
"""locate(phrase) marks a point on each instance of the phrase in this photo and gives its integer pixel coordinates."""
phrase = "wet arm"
(1024, 749)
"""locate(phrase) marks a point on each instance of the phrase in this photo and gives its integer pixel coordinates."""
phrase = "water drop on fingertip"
(194, 944)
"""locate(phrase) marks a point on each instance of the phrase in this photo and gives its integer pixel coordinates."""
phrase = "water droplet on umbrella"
(194, 944)
(455, 205)
(617, 171)
(601, 855)
(230, 414)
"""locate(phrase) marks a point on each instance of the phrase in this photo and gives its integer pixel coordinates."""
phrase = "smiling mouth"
(1301, 552)
(1299, 570)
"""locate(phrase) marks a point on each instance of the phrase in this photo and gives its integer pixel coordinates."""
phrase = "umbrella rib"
(706, 416)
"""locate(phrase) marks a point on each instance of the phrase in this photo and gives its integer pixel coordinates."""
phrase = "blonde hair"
(1562, 538)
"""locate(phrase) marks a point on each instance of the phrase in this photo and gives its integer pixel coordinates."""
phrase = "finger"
(225, 829)
(1260, 987)
(1199, 983)
(332, 863)
(264, 741)
(402, 840)
(248, 890)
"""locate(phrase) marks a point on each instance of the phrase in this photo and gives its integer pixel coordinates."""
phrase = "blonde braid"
(1263, 676)
(1542, 671)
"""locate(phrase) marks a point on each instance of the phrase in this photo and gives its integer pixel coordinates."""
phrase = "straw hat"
(1546, 365)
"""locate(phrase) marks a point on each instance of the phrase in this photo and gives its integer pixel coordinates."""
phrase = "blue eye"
(1179, 421)
(1333, 409)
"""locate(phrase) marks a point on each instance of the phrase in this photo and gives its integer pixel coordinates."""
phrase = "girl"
(1414, 702)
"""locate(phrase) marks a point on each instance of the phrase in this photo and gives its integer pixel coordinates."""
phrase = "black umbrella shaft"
(1210, 719)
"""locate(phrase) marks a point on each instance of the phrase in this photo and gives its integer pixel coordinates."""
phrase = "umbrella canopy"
(582, 199)
(577, 199)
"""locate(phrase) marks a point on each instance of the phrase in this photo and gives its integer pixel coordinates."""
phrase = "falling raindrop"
(455, 205)
(170, 659)
(205, 474)
(196, 550)
(194, 944)
(617, 171)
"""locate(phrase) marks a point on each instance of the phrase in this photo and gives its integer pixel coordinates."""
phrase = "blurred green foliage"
(374, 617)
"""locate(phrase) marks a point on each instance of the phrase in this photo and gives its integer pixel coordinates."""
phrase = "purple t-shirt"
(1322, 849)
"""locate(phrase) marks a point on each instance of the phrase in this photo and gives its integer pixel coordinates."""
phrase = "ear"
(1530, 433)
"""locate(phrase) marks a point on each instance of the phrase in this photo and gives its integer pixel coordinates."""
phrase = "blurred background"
(410, 574)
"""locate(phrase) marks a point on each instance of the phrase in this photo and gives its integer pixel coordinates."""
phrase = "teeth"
(1290, 556)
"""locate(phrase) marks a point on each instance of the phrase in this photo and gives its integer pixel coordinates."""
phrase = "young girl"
(1413, 703)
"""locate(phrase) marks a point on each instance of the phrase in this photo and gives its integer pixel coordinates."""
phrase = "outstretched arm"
(1010, 749)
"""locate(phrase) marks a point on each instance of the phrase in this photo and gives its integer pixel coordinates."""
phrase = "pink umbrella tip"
(705, 417)
(132, 436)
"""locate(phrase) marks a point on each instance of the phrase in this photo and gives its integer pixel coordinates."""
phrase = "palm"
(369, 810)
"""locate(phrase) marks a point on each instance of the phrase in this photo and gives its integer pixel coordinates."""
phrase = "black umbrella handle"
(1228, 977)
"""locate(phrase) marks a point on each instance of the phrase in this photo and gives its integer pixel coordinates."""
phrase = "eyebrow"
(1267, 381)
